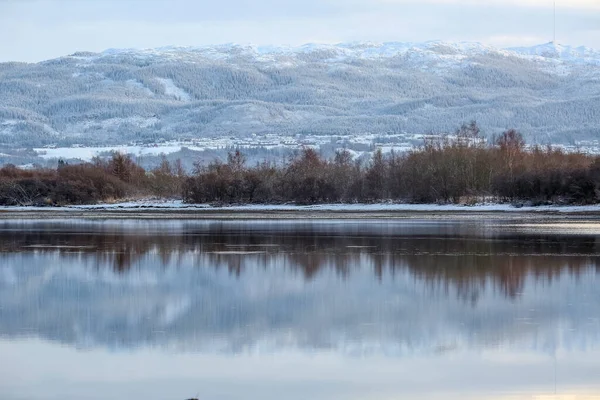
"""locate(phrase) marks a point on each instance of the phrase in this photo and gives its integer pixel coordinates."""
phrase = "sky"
(35, 30)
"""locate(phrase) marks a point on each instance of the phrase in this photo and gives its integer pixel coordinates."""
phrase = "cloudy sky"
(33, 30)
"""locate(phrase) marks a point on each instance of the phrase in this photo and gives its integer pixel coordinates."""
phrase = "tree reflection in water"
(464, 256)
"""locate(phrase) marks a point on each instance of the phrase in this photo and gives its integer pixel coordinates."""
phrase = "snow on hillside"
(550, 92)
(172, 90)
(567, 54)
(342, 52)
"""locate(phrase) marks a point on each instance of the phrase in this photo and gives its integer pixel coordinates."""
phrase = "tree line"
(461, 168)
(101, 180)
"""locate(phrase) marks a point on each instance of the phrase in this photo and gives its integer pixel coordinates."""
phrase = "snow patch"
(10, 122)
(88, 153)
(173, 90)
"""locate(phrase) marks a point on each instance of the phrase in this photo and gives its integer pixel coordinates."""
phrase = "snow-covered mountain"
(550, 92)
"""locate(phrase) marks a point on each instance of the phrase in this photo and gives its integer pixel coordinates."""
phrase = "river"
(302, 309)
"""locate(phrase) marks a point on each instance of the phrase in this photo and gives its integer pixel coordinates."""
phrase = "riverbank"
(155, 209)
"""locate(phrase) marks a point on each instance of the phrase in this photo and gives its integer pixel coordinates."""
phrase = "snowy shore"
(178, 205)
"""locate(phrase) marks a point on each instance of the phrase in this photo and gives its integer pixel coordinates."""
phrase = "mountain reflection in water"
(404, 290)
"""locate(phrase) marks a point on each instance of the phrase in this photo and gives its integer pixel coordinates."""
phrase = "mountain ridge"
(370, 49)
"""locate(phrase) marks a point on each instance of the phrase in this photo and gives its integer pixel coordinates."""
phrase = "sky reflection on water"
(330, 310)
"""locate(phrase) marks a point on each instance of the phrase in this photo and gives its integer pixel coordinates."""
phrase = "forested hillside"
(551, 93)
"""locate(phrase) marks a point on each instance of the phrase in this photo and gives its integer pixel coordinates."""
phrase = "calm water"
(299, 310)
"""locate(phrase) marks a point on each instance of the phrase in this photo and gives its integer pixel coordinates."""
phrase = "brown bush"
(458, 169)
(68, 184)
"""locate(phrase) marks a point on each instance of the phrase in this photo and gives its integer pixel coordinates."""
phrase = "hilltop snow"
(360, 50)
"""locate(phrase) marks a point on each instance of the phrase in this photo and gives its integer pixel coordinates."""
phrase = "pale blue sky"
(33, 30)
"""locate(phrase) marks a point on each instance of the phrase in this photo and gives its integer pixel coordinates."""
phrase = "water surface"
(414, 309)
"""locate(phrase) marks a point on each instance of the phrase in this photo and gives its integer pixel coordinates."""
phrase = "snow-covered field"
(395, 142)
(399, 143)
(88, 153)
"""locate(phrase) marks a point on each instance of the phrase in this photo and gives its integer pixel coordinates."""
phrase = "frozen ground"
(381, 207)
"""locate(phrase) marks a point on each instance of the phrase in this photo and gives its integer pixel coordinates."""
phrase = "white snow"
(379, 207)
(557, 51)
(11, 122)
(443, 52)
(88, 153)
(173, 90)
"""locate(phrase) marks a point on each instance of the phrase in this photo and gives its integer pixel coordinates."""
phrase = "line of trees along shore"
(462, 168)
